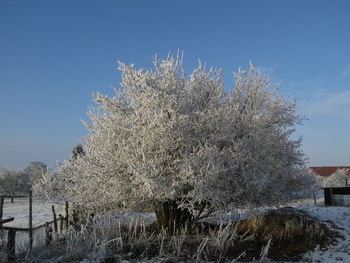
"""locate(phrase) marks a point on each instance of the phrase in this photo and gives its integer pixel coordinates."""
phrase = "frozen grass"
(22, 242)
(112, 240)
(135, 239)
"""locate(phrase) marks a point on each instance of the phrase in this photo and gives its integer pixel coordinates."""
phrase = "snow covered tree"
(180, 143)
(313, 182)
(340, 177)
(35, 170)
(49, 186)
(10, 181)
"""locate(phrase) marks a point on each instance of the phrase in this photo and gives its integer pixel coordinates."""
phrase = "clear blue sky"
(55, 54)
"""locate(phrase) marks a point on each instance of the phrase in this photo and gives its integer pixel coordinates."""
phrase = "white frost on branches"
(340, 177)
(10, 181)
(166, 135)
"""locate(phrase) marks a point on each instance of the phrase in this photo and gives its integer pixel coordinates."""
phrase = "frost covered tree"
(313, 182)
(340, 177)
(35, 170)
(49, 186)
(184, 145)
(10, 181)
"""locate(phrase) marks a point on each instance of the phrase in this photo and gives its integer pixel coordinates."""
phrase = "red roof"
(327, 170)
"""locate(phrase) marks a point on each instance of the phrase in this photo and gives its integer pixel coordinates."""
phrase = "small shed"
(337, 195)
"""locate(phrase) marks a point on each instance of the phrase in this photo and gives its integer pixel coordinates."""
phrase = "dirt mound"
(291, 231)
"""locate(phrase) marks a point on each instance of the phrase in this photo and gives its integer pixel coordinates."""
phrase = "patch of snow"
(340, 216)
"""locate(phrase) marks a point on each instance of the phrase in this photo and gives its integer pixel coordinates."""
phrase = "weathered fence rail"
(3, 221)
(62, 221)
(13, 196)
(12, 232)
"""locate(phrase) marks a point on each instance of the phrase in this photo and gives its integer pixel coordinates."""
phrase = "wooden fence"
(59, 224)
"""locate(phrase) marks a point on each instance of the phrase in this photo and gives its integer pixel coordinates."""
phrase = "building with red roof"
(326, 171)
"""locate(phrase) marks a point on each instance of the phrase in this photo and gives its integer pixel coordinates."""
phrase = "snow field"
(19, 209)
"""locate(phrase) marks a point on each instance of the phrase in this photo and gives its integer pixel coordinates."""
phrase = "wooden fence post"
(61, 223)
(66, 215)
(54, 218)
(1, 214)
(331, 196)
(48, 231)
(1, 208)
(75, 216)
(11, 245)
(314, 195)
(30, 221)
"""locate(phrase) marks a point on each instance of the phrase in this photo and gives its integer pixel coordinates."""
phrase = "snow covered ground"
(19, 209)
(339, 216)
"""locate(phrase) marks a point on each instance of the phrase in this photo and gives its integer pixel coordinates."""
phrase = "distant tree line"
(14, 182)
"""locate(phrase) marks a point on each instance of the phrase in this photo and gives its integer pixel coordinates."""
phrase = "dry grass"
(291, 231)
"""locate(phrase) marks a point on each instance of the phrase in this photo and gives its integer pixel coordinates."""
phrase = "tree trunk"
(172, 218)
